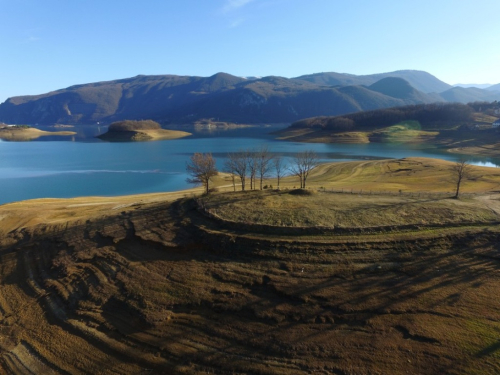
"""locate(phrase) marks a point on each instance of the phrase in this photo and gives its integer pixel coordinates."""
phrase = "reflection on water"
(88, 166)
(484, 164)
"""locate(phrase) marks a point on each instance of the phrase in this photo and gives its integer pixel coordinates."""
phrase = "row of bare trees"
(257, 165)
(251, 167)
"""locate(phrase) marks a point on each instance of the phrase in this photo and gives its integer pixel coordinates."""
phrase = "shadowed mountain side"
(184, 99)
(426, 114)
(401, 89)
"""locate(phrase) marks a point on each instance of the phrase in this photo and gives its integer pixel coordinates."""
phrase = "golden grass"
(26, 134)
(347, 210)
(408, 174)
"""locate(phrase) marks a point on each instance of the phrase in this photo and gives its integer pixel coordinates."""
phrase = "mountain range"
(224, 97)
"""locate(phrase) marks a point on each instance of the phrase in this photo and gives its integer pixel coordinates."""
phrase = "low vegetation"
(428, 115)
(460, 128)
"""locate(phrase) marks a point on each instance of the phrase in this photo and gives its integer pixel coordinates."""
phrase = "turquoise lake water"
(62, 167)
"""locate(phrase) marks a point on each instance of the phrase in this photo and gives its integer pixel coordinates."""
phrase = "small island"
(26, 133)
(147, 130)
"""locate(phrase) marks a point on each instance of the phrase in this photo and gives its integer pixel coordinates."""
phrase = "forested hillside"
(186, 99)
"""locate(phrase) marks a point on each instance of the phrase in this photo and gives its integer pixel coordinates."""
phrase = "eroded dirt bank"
(155, 287)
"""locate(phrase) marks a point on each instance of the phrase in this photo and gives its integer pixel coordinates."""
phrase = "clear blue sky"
(51, 44)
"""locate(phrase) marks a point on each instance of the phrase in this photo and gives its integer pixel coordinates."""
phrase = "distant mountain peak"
(420, 80)
(185, 99)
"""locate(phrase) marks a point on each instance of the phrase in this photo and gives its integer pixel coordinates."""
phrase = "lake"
(81, 165)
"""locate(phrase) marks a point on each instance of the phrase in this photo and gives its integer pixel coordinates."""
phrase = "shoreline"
(386, 175)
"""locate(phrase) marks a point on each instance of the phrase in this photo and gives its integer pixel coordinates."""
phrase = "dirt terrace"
(156, 287)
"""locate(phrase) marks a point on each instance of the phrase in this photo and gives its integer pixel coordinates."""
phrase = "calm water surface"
(83, 166)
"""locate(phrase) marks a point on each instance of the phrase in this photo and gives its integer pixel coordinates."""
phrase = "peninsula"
(147, 130)
(26, 133)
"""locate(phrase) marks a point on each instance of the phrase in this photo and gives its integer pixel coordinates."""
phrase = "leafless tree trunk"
(201, 168)
(462, 171)
(229, 167)
(279, 167)
(238, 163)
(264, 158)
(303, 163)
(252, 167)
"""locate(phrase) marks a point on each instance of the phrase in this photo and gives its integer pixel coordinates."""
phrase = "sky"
(52, 44)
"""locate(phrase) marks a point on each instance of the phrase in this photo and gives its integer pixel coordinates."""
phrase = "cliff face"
(185, 99)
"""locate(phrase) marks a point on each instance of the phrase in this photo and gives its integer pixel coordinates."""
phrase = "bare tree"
(252, 167)
(264, 158)
(279, 167)
(303, 163)
(201, 168)
(462, 171)
(230, 167)
(239, 166)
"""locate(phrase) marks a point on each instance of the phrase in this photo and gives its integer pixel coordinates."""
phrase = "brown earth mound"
(160, 288)
(145, 130)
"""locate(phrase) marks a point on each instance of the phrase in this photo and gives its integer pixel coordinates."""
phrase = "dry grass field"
(151, 284)
(347, 210)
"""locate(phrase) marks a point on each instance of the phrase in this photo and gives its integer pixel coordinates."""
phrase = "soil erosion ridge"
(152, 284)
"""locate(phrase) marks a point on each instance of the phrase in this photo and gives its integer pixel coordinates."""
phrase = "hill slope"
(141, 284)
(401, 89)
(184, 99)
(469, 94)
(420, 80)
(494, 87)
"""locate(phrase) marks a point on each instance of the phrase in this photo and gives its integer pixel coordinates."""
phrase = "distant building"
(496, 124)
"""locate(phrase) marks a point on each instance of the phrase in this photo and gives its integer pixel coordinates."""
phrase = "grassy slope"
(348, 210)
(137, 283)
(482, 141)
(405, 132)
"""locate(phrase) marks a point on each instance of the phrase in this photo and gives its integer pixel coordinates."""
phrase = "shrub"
(301, 192)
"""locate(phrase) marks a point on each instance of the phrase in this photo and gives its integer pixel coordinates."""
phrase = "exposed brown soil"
(151, 285)
(159, 288)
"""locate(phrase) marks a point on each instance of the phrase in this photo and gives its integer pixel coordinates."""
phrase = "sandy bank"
(25, 134)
